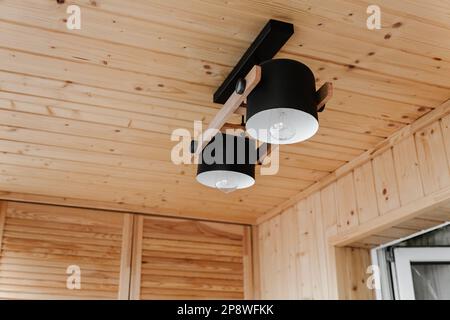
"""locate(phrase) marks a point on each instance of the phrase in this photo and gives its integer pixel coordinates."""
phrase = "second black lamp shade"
(282, 109)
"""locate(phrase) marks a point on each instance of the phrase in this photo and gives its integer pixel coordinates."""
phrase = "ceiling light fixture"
(228, 163)
(282, 108)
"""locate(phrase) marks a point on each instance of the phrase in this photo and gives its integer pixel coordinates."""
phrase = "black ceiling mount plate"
(269, 41)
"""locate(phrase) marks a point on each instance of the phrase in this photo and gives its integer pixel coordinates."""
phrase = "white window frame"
(403, 259)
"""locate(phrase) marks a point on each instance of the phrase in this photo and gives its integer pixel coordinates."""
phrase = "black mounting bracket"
(269, 41)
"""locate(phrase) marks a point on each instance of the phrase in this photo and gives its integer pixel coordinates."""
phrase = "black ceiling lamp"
(228, 163)
(282, 108)
(281, 103)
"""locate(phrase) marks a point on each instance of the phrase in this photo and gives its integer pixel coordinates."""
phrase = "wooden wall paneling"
(273, 244)
(346, 202)
(378, 148)
(264, 262)
(304, 275)
(136, 265)
(352, 265)
(40, 242)
(407, 170)
(3, 208)
(396, 167)
(445, 127)
(385, 182)
(126, 257)
(247, 264)
(433, 163)
(359, 264)
(257, 267)
(404, 213)
(318, 247)
(343, 273)
(365, 192)
(329, 216)
(289, 249)
(184, 259)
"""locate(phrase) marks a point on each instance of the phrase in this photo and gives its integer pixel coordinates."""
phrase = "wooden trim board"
(135, 283)
(395, 217)
(126, 256)
(248, 264)
(116, 207)
(3, 207)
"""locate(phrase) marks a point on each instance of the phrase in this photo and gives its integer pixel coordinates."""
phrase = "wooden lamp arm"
(231, 105)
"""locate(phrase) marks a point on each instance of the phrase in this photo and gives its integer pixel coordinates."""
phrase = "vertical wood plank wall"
(296, 256)
(121, 256)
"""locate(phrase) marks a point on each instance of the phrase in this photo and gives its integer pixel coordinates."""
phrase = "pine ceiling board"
(121, 207)
(75, 127)
(222, 20)
(51, 152)
(309, 144)
(127, 193)
(309, 162)
(44, 49)
(375, 107)
(196, 209)
(89, 113)
(322, 150)
(160, 183)
(153, 181)
(97, 76)
(158, 126)
(356, 101)
(103, 53)
(415, 64)
(334, 75)
(179, 90)
(64, 91)
(148, 135)
(158, 123)
(355, 79)
(93, 109)
(412, 66)
(300, 173)
(360, 80)
(334, 17)
(12, 153)
(88, 161)
(434, 12)
(17, 131)
(345, 138)
(64, 133)
(99, 24)
(358, 123)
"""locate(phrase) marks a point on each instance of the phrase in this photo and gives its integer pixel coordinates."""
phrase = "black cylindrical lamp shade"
(282, 107)
(227, 163)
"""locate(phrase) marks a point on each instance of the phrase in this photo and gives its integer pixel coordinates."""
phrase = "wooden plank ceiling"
(86, 115)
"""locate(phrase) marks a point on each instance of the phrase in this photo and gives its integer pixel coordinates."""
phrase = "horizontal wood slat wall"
(40, 242)
(399, 190)
(155, 258)
(181, 259)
